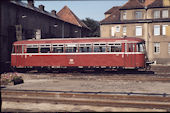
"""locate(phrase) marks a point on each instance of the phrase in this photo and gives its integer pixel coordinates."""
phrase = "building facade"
(21, 21)
(146, 19)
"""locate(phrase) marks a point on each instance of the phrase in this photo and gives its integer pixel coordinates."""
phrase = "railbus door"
(129, 55)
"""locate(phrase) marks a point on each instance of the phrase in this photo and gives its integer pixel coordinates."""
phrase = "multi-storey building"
(147, 19)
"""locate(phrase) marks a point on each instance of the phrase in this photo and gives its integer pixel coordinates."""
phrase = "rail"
(112, 99)
(83, 92)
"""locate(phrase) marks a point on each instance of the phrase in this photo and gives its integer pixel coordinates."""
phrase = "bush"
(18, 80)
(8, 78)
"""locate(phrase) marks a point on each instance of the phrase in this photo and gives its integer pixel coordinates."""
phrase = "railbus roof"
(78, 40)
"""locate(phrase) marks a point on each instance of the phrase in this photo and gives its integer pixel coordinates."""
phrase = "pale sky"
(93, 9)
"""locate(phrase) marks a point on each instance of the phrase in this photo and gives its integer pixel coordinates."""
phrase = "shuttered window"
(112, 31)
(164, 29)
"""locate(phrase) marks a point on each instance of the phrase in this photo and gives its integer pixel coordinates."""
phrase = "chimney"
(41, 7)
(53, 12)
(30, 3)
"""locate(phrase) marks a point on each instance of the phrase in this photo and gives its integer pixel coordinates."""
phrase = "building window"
(124, 30)
(112, 31)
(169, 47)
(165, 14)
(156, 14)
(157, 47)
(138, 14)
(138, 30)
(156, 30)
(124, 15)
(117, 28)
(164, 29)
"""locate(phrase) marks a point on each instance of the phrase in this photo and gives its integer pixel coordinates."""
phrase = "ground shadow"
(108, 72)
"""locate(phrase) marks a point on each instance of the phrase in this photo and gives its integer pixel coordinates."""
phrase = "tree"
(94, 27)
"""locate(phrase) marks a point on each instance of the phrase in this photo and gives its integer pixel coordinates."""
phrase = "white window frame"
(117, 28)
(165, 13)
(112, 31)
(156, 47)
(124, 15)
(156, 14)
(138, 14)
(169, 47)
(138, 30)
(164, 29)
(156, 30)
(124, 30)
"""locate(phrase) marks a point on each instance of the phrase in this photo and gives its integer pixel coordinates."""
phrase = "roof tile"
(132, 4)
(67, 15)
(114, 16)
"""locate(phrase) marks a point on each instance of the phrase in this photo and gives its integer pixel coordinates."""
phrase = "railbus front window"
(140, 47)
(13, 49)
(18, 49)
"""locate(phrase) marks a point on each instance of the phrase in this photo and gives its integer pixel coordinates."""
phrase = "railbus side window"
(58, 48)
(32, 48)
(45, 48)
(130, 47)
(114, 47)
(85, 48)
(71, 48)
(99, 47)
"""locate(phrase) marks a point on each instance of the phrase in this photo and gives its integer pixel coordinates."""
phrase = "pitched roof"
(114, 16)
(133, 4)
(138, 4)
(156, 4)
(148, 2)
(112, 10)
(67, 15)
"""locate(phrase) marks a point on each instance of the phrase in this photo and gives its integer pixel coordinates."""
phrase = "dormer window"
(138, 14)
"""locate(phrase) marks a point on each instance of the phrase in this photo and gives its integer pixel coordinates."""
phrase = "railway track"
(109, 99)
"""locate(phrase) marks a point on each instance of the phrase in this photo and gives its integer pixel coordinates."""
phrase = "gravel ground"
(107, 82)
(45, 107)
(91, 82)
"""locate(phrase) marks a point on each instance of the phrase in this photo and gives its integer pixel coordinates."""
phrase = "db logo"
(71, 61)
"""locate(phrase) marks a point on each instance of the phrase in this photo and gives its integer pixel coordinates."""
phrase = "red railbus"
(80, 53)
